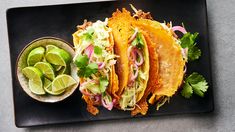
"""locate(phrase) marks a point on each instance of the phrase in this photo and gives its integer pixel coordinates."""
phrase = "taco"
(133, 63)
(95, 60)
(170, 63)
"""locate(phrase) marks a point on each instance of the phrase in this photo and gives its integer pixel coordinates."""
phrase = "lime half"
(35, 56)
(58, 57)
(62, 82)
(48, 88)
(46, 69)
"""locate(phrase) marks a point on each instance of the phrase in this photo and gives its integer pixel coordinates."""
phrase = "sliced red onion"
(185, 53)
(89, 51)
(85, 92)
(185, 68)
(138, 53)
(97, 98)
(179, 28)
(131, 54)
(134, 75)
(101, 65)
(133, 36)
(129, 50)
(115, 101)
(108, 105)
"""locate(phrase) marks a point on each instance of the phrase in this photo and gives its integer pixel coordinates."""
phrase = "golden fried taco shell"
(171, 62)
(122, 29)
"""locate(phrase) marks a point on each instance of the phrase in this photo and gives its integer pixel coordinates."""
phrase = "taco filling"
(95, 61)
(138, 74)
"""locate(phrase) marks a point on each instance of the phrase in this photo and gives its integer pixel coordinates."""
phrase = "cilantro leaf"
(97, 50)
(188, 41)
(89, 34)
(194, 53)
(103, 84)
(85, 69)
(138, 41)
(81, 72)
(81, 61)
(194, 78)
(200, 88)
(187, 91)
(194, 83)
(91, 68)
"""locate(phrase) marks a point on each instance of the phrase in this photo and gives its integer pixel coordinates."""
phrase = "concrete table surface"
(222, 39)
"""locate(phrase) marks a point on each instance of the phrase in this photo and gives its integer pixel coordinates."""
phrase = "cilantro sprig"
(188, 41)
(194, 83)
(85, 69)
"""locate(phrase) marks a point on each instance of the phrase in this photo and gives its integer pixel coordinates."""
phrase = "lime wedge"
(57, 67)
(58, 57)
(50, 47)
(46, 69)
(47, 83)
(32, 73)
(62, 82)
(64, 70)
(48, 88)
(35, 56)
(36, 86)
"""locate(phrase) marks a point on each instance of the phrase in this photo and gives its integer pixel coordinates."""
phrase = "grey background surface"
(221, 16)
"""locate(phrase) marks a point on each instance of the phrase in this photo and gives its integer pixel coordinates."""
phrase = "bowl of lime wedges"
(45, 70)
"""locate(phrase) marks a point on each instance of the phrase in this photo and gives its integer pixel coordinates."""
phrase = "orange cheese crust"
(121, 29)
(171, 62)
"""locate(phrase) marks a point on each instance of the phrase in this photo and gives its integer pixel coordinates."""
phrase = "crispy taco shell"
(121, 29)
(121, 23)
(171, 62)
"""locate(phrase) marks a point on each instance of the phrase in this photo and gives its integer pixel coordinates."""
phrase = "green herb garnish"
(97, 50)
(188, 41)
(194, 83)
(85, 69)
(81, 61)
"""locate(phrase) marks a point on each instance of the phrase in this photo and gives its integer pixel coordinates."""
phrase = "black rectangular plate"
(28, 23)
